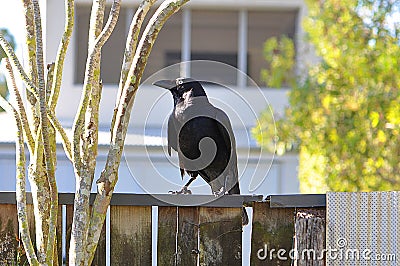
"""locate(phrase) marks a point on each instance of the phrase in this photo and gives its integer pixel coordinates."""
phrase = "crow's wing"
(231, 171)
(172, 134)
(225, 129)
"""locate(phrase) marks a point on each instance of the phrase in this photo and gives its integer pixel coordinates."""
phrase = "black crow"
(203, 137)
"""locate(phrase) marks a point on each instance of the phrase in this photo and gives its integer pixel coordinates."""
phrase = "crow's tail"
(234, 190)
(245, 217)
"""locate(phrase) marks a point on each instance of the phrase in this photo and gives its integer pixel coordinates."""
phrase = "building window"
(228, 36)
(112, 51)
(167, 48)
(214, 36)
(262, 25)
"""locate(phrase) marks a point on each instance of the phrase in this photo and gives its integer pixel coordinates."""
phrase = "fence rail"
(191, 229)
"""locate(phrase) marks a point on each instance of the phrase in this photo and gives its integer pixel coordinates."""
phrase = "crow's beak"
(166, 84)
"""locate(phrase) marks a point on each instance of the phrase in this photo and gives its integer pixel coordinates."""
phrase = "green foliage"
(346, 114)
(276, 138)
(280, 56)
(3, 83)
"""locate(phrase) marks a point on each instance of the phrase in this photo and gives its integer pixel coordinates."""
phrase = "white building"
(227, 31)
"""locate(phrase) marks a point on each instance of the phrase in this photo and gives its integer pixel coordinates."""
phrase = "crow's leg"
(185, 189)
(190, 181)
(223, 190)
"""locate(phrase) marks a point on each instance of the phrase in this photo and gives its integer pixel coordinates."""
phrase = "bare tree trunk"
(37, 175)
(86, 132)
(37, 128)
(21, 122)
(109, 175)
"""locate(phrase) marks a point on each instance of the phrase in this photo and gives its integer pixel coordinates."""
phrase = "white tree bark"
(38, 129)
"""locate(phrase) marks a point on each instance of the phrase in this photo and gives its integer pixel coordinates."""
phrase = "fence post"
(220, 236)
(130, 230)
(310, 237)
(166, 239)
(188, 230)
(272, 235)
(178, 235)
(210, 235)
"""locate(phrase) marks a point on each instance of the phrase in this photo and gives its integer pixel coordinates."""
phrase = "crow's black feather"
(203, 137)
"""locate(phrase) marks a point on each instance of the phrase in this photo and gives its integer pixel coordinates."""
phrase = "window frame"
(242, 41)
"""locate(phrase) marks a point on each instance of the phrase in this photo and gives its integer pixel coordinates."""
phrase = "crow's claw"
(220, 192)
(184, 191)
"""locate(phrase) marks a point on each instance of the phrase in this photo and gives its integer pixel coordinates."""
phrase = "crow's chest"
(194, 123)
(196, 128)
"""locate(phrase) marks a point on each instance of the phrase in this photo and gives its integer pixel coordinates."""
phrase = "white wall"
(70, 92)
(154, 172)
(151, 109)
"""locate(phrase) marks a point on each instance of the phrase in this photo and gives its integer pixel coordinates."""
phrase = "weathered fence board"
(130, 230)
(220, 236)
(8, 234)
(273, 230)
(58, 250)
(206, 234)
(178, 236)
(166, 239)
(11, 248)
(100, 255)
(69, 217)
(310, 237)
(188, 232)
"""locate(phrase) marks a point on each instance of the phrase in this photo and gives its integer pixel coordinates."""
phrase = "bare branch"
(110, 25)
(30, 39)
(90, 139)
(64, 137)
(96, 21)
(133, 38)
(7, 106)
(20, 189)
(49, 82)
(62, 51)
(17, 65)
(21, 196)
(38, 154)
(32, 67)
(12, 84)
(109, 175)
(45, 136)
(37, 175)
(81, 206)
(87, 145)
(51, 130)
(23, 126)
(91, 121)
(80, 118)
(130, 47)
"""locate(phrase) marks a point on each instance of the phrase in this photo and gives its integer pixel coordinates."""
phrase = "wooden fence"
(188, 233)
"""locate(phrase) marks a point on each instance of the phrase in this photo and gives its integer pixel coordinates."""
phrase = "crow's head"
(182, 88)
